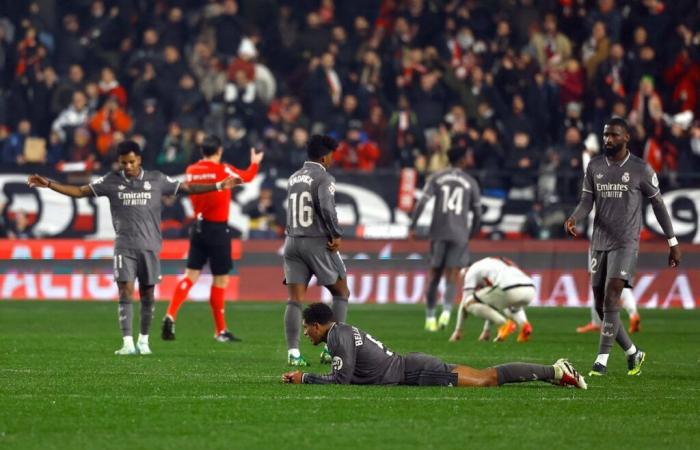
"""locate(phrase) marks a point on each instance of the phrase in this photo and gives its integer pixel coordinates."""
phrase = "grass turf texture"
(61, 386)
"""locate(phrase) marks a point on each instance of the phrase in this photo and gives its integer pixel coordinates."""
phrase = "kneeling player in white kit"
(495, 289)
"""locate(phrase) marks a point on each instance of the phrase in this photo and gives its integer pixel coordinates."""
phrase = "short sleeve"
(588, 180)
(169, 186)
(344, 351)
(649, 184)
(101, 186)
(476, 194)
(429, 188)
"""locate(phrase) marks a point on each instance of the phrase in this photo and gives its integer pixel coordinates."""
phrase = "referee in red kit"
(209, 238)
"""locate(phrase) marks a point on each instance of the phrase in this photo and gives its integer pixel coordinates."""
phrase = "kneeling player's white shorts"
(511, 296)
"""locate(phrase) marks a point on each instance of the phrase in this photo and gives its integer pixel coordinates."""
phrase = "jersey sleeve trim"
(177, 188)
(655, 194)
(93, 190)
(586, 190)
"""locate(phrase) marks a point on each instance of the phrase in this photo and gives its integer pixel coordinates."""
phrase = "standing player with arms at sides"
(616, 183)
(209, 237)
(134, 196)
(312, 242)
(359, 358)
(456, 196)
(492, 286)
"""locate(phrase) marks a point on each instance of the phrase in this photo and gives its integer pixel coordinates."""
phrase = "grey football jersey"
(456, 195)
(618, 190)
(311, 203)
(358, 358)
(135, 204)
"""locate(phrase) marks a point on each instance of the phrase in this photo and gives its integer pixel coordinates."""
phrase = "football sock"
(148, 307)
(340, 308)
(595, 319)
(486, 312)
(216, 301)
(628, 301)
(292, 324)
(450, 291)
(519, 316)
(128, 341)
(294, 352)
(143, 339)
(602, 359)
(181, 290)
(519, 372)
(125, 315)
(431, 297)
(631, 351)
(622, 338)
(609, 331)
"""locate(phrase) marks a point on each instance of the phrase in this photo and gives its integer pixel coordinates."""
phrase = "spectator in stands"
(189, 105)
(80, 147)
(107, 121)
(228, 28)
(324, 87)
(264, 213)
(175, 150)
(109, 86)
(76, 115)
(19, 226)
(150, 122)
(523, 161)
(69, 48)
(552, 48)
(354, 152)
(13, 148)
(595, 50)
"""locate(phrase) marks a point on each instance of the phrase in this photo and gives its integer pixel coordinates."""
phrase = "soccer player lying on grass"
(492, 286)
(358, 358)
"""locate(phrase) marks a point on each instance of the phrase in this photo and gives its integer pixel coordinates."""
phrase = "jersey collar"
(139, 176)
(314, 162)
(622, 163)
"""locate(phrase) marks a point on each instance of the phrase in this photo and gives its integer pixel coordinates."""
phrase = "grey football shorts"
(307, 256)
(449, 254)
(619, 263)
(131, 264)
(421, 369)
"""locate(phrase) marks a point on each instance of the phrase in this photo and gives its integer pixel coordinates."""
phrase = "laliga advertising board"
(379, 271)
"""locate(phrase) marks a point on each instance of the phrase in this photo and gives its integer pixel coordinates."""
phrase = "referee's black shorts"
(210, 241)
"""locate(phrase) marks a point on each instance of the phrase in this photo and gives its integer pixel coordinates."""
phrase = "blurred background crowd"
(524, 85)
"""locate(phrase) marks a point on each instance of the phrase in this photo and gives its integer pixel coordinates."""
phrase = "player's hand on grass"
(255, 156)
(456, 336)
(674, 256)
(37, 181)
(333, 245)
(292, 377)
(570, 227)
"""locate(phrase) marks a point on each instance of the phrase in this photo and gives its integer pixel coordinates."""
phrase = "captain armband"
(673, 242)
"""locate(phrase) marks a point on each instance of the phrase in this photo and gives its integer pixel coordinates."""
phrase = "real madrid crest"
(625, 177)
(147, 185)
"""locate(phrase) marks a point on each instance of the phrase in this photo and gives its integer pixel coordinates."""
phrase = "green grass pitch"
(62, 387)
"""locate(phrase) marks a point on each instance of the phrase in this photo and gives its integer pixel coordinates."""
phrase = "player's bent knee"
(294, 303)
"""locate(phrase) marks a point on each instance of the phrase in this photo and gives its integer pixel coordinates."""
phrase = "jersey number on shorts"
(452, 199)
(302, 209)
(379, 344)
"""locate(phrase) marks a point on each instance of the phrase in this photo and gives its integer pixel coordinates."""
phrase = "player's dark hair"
(455, 154)
(319, 313)
(126, 147)
(320, 145)
(210, 145)
(617, 121)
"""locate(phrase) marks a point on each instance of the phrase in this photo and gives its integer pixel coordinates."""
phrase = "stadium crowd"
(525, 85)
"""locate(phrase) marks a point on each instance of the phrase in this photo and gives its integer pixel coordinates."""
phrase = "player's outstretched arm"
(664, 219)
(66, 189)
(226, 183)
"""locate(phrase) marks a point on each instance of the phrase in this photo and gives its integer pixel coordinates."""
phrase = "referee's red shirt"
(214, 206)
